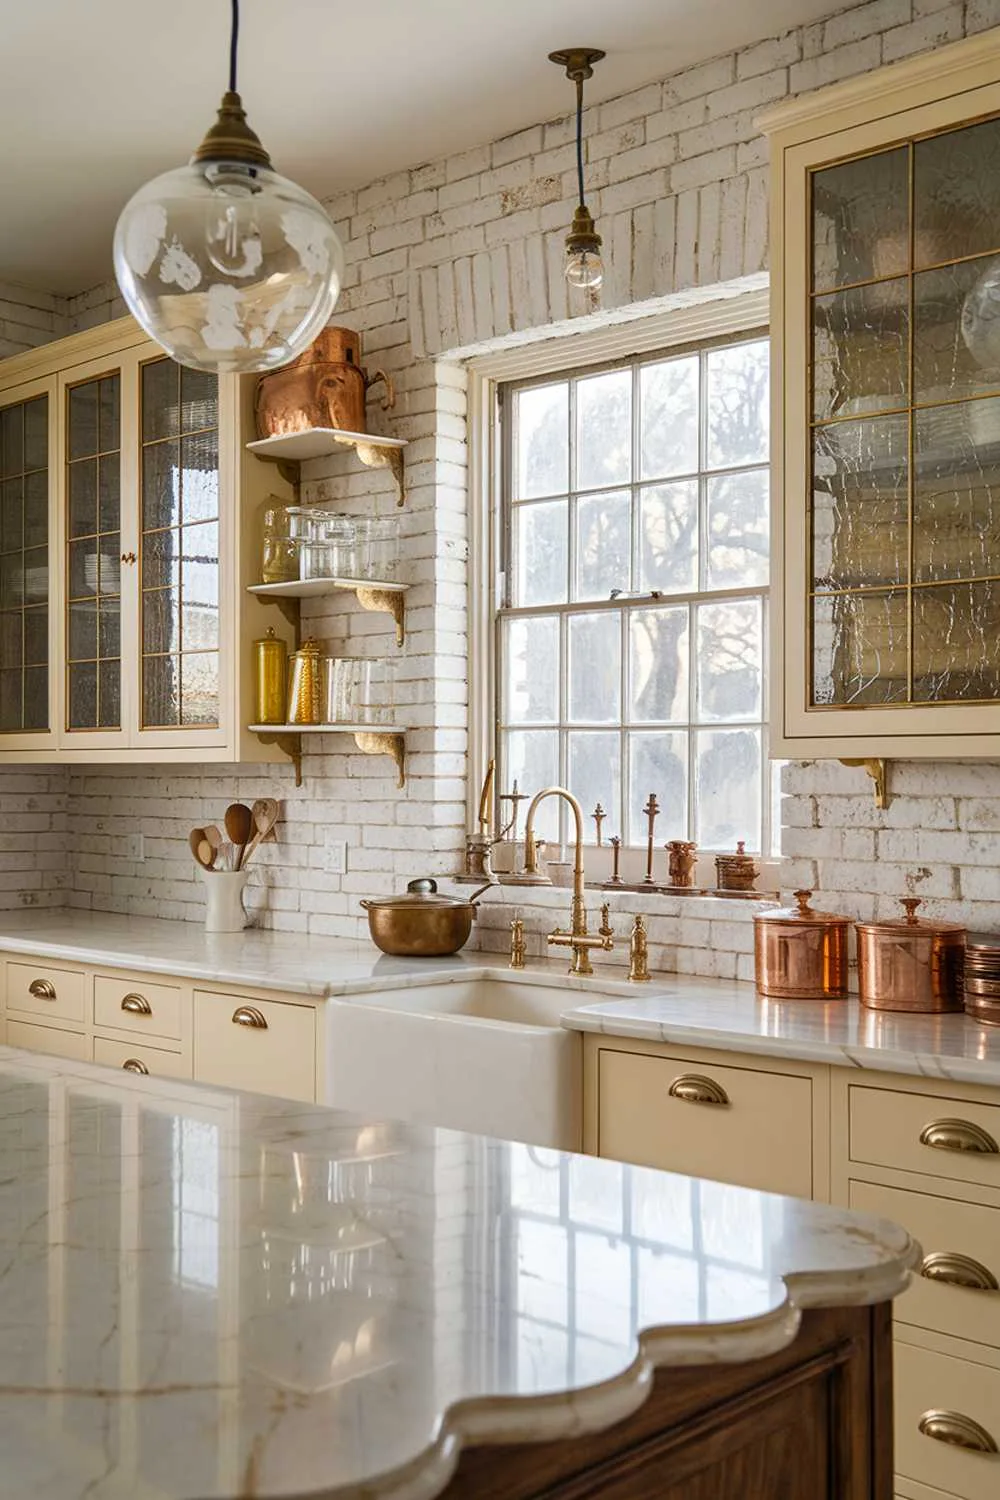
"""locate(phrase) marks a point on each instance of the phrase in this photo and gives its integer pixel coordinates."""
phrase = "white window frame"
(707, 320)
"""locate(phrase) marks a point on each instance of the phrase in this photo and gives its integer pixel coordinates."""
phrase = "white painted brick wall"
(465, 252)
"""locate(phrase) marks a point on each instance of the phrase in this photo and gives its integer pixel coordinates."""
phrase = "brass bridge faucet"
(577, 938)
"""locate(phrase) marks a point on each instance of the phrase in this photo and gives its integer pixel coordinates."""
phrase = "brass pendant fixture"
(584, 267)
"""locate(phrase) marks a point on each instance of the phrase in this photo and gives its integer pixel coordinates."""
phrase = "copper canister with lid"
(909, 963)
(799, 953)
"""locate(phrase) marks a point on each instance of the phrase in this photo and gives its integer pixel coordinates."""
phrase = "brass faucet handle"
(606, 930)
(638, 952)
(518, 947)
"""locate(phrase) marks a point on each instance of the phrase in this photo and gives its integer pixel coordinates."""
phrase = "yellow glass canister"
(304, 688)
(270, 678)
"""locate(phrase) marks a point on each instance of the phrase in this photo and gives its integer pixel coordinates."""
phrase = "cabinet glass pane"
(860, 219)
(860, 648)
(24, 566)
(956, 491)
(860, 516)
(861, 350)
(956, 193)
(956, 331)
(956, 643)
(93, 571)
(180, 568)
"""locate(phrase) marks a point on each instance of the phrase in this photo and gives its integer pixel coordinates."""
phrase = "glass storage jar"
(360, 690)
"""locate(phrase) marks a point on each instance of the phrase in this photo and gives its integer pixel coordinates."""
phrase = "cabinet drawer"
(260, 1045)
(925, 1382)
(156, 1061)
(148, 1009)
(893, 1129)
(760, 1137)
(943, 1226)
(47, 1039)
(45, 991)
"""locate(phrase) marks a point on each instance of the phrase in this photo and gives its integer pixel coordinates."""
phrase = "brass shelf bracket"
(375, 742)
(878, 770)
(382, 458)
(292, 746)
(388, 602)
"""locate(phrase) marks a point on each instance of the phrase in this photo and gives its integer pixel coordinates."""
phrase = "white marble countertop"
(208, 1294)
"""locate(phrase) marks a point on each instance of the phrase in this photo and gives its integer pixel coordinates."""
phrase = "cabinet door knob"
(133, 1065)
(42, 989)
(249, 1015)
(959, 1135)
(137, 1005)
(695, 1088)
(957, 1429)
(958, 1270)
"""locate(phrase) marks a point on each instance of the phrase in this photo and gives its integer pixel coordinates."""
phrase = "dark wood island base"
(813, 1422)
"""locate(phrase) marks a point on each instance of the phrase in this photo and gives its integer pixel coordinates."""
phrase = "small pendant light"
(226, 264)
(584, 267)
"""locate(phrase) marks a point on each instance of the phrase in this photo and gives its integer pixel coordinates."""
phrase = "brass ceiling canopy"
(577, 61)
(231, 138)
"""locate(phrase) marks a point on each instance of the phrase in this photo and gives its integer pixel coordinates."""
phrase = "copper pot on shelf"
(911, 964)
(799, 953)
(324, 387)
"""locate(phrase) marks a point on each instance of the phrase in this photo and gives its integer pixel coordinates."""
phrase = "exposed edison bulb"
(225, 263)
(584, 268)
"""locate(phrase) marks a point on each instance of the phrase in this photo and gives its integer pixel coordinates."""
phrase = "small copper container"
(735, 872)
(982, 977)
(801, 954)
(324, 387)
(910, 964)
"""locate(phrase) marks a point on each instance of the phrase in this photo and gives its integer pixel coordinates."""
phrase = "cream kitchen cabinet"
(885, 271)
(129, 526)
(166, 1026)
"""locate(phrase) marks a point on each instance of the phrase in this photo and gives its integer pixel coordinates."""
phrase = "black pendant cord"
(579, 135)
(234, 39)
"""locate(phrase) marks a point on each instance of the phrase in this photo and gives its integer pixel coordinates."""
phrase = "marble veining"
(208, 1294)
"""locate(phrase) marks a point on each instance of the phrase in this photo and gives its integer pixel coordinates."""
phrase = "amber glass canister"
(304, 687)
(799, 953)
(270, 676)
(910, 964)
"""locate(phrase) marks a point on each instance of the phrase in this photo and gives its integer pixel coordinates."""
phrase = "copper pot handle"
(958, 1270)
(137, 1005)
(389, 397)
(133, 1065)
(695, 1088)
(956, 1428)
(249, 1015)
(959, 1135)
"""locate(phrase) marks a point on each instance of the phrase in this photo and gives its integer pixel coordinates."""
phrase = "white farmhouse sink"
(485, 1055)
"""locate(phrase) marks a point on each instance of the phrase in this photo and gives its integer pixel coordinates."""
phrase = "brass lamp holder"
(231, 139)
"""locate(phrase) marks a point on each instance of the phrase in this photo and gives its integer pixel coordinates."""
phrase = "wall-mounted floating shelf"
(292, 449)
(386, 598)
(369, 738)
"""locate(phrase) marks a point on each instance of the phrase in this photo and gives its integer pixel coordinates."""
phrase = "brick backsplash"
(461, 255)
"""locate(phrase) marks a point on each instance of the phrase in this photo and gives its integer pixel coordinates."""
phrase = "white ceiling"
(95, 98)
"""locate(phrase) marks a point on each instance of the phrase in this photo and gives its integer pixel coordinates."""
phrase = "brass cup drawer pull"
(137, 1005)
(959, 1135)
(695, 1088)
(957, 1429)
(42, 989)
(958, 1270)
(133, 1065)
(249, 1015)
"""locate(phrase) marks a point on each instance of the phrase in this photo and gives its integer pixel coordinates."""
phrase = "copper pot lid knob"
(909, 905)
(803, 898)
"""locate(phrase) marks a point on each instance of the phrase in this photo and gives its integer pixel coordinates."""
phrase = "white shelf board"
(326, 728)
(317, 442)
(309, 588)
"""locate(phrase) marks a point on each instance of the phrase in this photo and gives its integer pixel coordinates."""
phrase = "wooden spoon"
(265, 815)
(201, 848)
(239, 827)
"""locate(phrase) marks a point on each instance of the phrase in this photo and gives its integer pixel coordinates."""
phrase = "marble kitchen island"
(213, 1294)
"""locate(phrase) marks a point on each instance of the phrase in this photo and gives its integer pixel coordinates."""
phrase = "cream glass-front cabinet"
(129, 516)
(885, 275)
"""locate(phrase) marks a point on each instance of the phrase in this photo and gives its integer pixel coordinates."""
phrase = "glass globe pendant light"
(225, 263)
(584, 267)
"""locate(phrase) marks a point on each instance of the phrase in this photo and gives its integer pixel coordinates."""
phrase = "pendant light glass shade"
(225, 263)
(228, 265)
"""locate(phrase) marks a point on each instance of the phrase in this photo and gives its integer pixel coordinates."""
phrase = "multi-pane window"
(632, 611)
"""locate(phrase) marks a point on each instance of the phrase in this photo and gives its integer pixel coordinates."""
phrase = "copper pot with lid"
(799, 953)
(422, 923)
(910, 963)
(324, 387)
